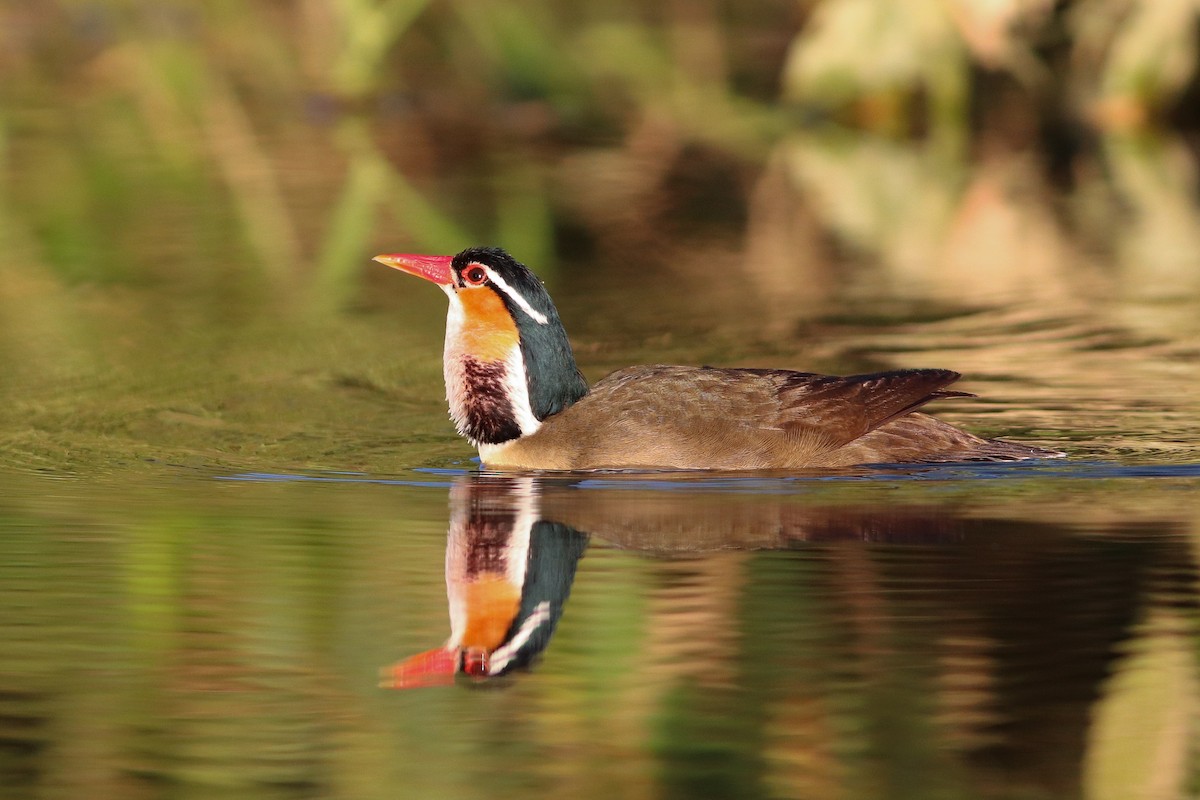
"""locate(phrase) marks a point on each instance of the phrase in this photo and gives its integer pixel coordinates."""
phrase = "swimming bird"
(516, 393)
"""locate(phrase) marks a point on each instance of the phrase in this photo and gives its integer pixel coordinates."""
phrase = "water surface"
(960, 631)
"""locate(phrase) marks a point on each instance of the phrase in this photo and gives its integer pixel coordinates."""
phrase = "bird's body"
(663, 416)
(515, 392)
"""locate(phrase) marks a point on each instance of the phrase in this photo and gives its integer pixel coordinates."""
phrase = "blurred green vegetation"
(277, 146)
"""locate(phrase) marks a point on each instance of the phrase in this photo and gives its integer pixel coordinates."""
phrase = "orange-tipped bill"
(431, 668)
(431, 268)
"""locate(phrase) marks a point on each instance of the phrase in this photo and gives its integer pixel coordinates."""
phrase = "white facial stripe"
(525, 505)
(501, 656)
(515, 296)
(517, 384)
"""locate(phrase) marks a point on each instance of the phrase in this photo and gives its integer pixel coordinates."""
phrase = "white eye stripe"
(502, 655)
(515, 296)
(517, 383)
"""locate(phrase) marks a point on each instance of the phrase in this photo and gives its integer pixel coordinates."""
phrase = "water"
(954, 631)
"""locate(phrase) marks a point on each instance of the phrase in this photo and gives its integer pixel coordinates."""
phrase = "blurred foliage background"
(271, 146)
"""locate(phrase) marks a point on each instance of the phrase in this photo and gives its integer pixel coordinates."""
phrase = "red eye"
(475, 663)
(474, 275)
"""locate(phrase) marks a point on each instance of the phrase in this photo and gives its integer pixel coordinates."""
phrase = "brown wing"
(841, 409)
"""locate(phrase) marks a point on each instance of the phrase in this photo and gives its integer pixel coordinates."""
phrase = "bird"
(516, 393)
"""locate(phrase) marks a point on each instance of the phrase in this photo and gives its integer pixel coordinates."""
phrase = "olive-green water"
(231, 504)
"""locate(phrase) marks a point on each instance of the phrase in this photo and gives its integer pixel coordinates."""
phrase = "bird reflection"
(514, 543)
(508, 574)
